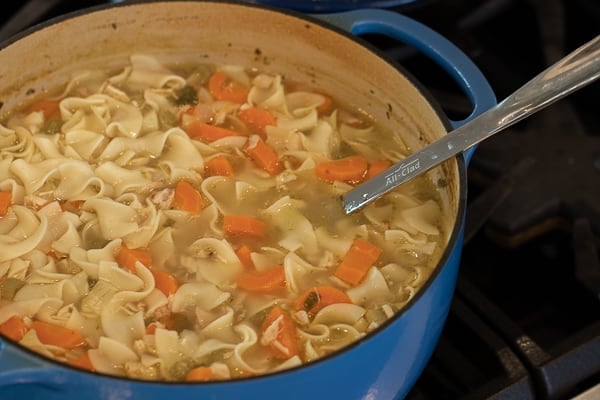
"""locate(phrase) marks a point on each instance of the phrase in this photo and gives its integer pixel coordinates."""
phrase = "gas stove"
(525, 319)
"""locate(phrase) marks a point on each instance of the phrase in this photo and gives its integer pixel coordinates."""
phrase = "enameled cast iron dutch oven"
(322, 49)
(320, 6)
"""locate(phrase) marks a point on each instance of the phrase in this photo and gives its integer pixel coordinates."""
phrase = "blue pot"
(386, 363)
(319, 6)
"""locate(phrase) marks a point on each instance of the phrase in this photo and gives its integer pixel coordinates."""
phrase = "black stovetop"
(525, 320)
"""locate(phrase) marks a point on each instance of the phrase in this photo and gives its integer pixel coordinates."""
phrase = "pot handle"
(435, 46)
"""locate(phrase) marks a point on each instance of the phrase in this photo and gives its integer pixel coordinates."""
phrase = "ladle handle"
(571, 73)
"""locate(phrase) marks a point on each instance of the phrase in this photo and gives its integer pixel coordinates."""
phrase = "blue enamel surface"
(383, 366)
(333, 5)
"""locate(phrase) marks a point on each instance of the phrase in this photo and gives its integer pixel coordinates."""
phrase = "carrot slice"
(268, 281)
(244, 253)
(316, 298)
(326, 107)
(377, 167)
(127, 258)
(350, 169)
(219, 166)
(223, 88)
(54, 254)
(5, 202)
(257, 120)
(199, 374)
(151, 328)
(357, 261)
(14, 328)
(244, 226)
(207, 132)
(187, 198)
(263, 155)
(82, 362)
(165, 282)
(285, 344)
(48, 107)
(57, 335)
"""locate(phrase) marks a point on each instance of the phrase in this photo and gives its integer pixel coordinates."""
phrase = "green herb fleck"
(179, 369)
(53, 126)
(185, 95)
(311, 300)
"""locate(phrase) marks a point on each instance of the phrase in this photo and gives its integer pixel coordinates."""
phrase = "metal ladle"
(576, 70)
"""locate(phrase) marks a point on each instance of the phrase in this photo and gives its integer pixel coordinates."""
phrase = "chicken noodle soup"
(171, 222)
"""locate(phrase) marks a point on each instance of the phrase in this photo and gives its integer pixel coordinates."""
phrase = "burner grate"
(472, 362)
(560, 186)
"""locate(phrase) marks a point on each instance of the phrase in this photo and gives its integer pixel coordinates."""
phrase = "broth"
(184, 222)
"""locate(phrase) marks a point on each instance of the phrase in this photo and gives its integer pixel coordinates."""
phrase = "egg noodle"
(169, 222)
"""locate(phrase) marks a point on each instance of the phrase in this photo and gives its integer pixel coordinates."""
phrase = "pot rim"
(334, 6)
(453, 238)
